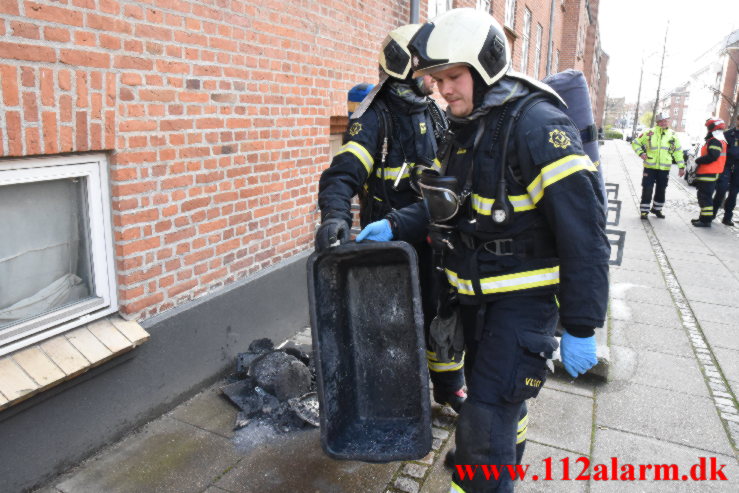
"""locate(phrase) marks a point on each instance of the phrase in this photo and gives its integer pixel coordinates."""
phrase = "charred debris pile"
(274, 386)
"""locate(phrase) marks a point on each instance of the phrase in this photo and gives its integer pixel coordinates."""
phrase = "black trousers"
(706, 184)
(503, 368)
(727, 187)
(650, 178)
(447, 377)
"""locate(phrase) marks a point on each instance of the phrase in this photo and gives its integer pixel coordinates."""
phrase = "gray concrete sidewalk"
(670, 398)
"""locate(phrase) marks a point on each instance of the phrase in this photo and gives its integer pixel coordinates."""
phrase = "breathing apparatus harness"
(388, 122)
(444, 200)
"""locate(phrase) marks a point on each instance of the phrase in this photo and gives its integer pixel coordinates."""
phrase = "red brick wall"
(215, 115)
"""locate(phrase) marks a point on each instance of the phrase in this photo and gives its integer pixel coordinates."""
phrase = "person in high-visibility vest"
(710, 165)
(659, 148)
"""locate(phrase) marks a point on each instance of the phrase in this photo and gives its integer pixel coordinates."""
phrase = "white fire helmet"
(461, 36)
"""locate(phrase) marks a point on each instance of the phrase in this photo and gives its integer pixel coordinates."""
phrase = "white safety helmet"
(395, 59)
(461, 36)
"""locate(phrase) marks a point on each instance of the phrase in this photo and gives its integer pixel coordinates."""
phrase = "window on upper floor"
(437, 7)
(56, 255)
(510, 13)
(483, 5)
(537, 53)
(525, 41)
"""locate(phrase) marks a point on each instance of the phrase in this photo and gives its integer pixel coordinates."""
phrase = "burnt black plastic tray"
(368, 344)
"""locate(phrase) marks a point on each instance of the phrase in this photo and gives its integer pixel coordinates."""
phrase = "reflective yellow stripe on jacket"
(392, 173)
(359, 151)
(549, 175)
(508, 282)
(559, 169)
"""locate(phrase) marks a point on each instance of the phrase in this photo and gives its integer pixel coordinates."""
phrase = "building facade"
(158, 175)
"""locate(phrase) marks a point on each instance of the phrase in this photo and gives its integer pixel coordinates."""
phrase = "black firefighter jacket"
(357, 168)
(558, 227)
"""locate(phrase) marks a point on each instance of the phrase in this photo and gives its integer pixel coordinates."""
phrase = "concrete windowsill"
(34, 369)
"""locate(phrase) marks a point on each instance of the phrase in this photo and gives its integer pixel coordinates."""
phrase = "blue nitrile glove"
(376, 231)
(578, 354)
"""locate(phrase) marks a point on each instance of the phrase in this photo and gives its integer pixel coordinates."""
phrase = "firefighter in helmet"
(518, 208)
(711, 164)
(392, 135)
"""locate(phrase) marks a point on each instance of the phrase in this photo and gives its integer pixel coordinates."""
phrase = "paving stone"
(561, 420)
(443, 421)
(429, 459)
(712, 295)
(721, 400)
(715, 313)
(721, 335)
(167, 455)
(415, 470)
(663, 414)
(295, 462)
(633, 449)
(690, 275)
(728, 359)
(668, 340)
(636, 277)
(535, 455)
(406, 485)
(208, 410)
(439, 477)
(646, 265)
(633, 292)
(439, 433)
(670, 372)
(563, 382)
(646, 313)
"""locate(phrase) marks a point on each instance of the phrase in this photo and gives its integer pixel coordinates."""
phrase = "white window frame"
(510, 14)
(437, 7)
(94, 168)
(483, 5)
(526, 35)
(539, 36)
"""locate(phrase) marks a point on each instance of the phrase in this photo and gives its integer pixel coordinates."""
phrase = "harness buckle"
(501, 247)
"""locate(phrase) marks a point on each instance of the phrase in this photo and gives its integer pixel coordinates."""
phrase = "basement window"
(56, 253)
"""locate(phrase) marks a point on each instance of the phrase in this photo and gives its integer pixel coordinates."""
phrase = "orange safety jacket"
(717, 165)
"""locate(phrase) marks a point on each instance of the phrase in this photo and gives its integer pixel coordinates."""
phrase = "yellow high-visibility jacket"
(661, 146)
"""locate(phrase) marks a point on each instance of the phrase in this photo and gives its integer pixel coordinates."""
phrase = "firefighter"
(711, 164)
(729, 180)
(518, 206)
(391, 135)
(659, 148)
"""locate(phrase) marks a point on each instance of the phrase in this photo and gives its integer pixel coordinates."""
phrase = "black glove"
(331, 232)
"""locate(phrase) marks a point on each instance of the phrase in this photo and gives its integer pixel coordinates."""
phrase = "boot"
(727, 222)
(700, 224)
(451, 399)
(657, 213)
(644, 215)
